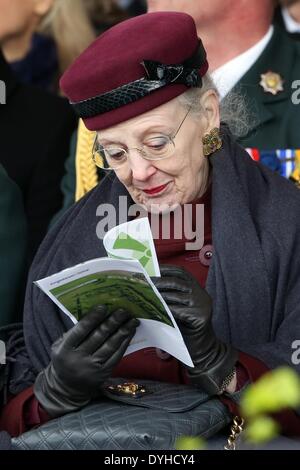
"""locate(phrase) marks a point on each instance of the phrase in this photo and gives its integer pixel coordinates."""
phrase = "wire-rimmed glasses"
(156, 148)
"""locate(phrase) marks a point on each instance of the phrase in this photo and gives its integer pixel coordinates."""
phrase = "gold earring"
(211, 142)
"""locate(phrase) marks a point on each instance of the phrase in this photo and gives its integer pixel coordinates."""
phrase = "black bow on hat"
(166, 74)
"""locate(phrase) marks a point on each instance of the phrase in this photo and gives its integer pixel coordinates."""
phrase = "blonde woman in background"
(69, 24)
(41, 38)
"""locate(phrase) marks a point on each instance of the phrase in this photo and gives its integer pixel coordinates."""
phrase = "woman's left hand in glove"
(191, 307)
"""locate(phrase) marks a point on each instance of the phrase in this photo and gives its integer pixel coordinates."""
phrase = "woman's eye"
(115, 154)
(157, 144)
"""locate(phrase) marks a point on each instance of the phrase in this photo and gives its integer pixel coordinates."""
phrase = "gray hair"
(233, 108)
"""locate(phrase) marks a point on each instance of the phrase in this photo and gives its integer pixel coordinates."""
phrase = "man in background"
(247, 54)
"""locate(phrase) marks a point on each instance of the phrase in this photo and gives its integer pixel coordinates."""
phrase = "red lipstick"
(156, 190)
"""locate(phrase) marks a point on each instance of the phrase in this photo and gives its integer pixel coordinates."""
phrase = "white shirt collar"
(291, 25)
(229, 74)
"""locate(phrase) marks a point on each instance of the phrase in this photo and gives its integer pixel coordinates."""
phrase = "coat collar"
(238, 279)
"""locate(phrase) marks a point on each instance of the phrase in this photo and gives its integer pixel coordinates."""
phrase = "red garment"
(23, 412)
(173, 251)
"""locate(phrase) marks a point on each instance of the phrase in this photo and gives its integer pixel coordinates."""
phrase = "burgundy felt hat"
(135, 66)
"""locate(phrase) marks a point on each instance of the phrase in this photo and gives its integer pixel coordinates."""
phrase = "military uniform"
(278, 118)
(276, 127)
(13, 235)
(36, 128)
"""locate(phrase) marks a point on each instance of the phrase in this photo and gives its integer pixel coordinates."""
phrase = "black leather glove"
(191, 307)
(82, 359)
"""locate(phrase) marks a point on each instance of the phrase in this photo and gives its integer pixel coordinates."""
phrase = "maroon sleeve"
(22, 413)
(250, 369)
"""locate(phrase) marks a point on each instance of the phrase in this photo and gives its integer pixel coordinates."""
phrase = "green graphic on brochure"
(138, 250)
(114, 289)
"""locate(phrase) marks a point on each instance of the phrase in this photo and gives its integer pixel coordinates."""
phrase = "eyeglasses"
(156, 148)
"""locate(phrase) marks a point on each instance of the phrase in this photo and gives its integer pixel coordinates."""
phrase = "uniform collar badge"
(271, 82)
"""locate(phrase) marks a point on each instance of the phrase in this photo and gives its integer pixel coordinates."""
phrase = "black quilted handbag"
(140, 415)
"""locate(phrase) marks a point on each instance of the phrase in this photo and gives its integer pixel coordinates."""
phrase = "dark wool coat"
(13, 244)
(35, 132)
(254, 278)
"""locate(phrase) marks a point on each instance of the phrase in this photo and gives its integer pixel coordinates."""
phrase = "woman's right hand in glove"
(82, 359)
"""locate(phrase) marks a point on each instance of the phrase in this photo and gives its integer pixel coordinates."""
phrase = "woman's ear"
(211, 109)
(42, 7)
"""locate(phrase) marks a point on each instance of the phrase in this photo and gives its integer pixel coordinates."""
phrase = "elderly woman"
(143, 86)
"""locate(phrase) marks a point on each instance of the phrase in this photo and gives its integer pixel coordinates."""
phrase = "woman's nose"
(141, 168)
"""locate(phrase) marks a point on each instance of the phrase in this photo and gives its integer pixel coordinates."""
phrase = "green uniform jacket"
(13, 241)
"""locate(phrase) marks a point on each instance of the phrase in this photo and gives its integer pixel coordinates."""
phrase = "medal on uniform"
(287, 159)
(271, 82)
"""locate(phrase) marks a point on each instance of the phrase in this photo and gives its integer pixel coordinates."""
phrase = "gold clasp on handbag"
(128, 388)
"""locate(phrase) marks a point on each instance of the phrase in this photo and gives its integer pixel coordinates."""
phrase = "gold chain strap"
(235, 432)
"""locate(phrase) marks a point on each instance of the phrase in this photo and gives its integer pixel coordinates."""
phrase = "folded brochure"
(121, 283)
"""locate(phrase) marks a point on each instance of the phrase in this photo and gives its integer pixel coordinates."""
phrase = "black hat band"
(158, 75)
